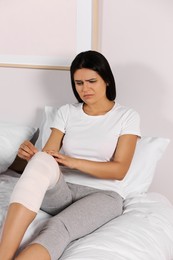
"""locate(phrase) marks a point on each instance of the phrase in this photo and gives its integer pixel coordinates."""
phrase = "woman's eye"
(92, 81)
(79, 83)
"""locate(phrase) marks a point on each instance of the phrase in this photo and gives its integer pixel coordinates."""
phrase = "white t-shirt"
(93, 138)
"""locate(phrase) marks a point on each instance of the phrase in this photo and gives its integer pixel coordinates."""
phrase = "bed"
(145, 229)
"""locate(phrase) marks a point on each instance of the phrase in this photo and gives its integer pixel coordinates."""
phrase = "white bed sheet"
(143, 232)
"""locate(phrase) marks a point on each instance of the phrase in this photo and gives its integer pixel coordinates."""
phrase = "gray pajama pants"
(76, 211)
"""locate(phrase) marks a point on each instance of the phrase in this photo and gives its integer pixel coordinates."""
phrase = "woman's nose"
(85, 86)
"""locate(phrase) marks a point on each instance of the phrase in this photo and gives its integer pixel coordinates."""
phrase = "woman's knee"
(41, 173)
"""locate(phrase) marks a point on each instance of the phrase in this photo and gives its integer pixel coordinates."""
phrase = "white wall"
(136, 37)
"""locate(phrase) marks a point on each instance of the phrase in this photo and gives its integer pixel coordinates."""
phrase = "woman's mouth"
(88, 95)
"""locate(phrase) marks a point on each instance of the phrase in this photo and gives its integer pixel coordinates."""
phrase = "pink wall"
(136, 37)
(41, 28)
(25, 92)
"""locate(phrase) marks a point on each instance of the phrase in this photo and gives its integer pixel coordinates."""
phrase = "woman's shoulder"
(125, 109)
(126, 112)
(69, 108)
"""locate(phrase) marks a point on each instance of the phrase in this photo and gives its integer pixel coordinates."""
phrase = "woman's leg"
(41, 173)
(79, 219)
(55, 200)
(34, 252)
(17, 220)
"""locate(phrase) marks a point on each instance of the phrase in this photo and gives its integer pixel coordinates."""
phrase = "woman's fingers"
(27, 150)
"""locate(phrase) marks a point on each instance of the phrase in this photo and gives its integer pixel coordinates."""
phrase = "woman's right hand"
(27, 150)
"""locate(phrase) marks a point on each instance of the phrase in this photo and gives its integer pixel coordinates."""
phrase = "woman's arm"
(27, 149)
(115, 169)
(54, 142)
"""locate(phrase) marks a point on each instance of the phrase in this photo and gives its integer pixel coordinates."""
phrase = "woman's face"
(90, 86)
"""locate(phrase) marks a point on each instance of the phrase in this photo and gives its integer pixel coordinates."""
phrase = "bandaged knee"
(41, 174)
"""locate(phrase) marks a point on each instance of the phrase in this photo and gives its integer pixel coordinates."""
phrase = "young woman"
(77, 176)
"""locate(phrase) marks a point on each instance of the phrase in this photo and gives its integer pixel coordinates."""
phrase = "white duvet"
(143, 232)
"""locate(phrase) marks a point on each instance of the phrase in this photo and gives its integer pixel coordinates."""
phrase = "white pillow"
(148, 152)
(11, 136)
(48, 117)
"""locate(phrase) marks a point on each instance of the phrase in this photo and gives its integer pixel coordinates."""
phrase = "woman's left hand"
(64, 159)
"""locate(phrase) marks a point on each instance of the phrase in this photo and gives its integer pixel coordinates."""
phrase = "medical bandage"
(41, 174)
